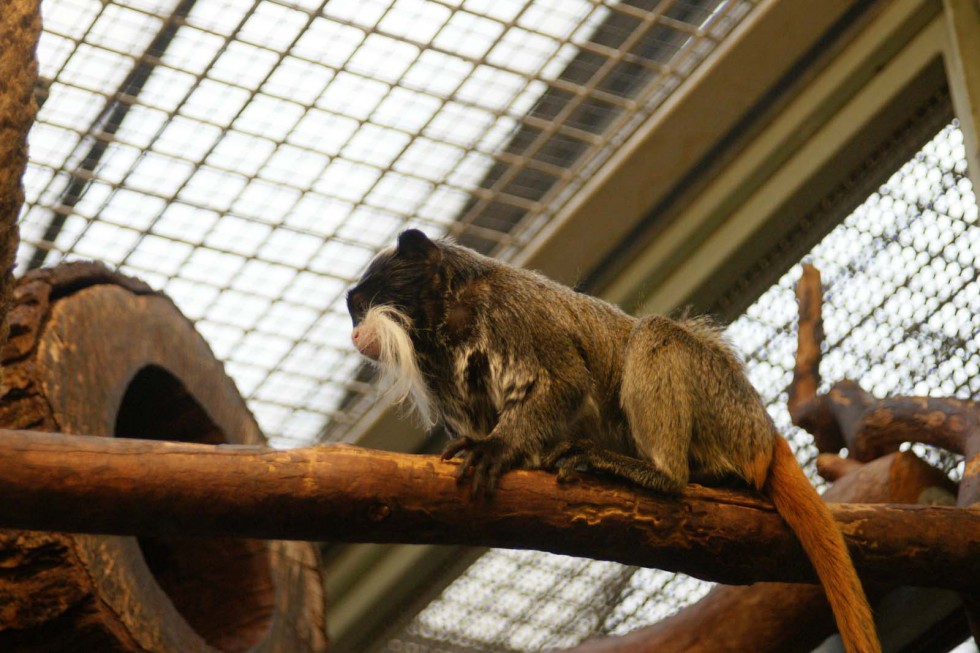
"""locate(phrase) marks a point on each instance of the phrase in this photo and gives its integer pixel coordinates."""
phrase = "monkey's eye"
(356, 306)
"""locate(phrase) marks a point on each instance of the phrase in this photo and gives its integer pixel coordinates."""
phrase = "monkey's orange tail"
(807, 515)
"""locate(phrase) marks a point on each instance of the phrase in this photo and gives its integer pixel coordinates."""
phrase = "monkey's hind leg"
(571, 456)
(657, 395)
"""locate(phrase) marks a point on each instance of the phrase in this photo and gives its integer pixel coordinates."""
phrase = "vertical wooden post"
(20, 28)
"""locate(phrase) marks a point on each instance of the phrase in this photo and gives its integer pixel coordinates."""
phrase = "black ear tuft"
(415, 244)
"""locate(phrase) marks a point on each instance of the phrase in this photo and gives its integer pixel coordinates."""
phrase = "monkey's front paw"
(484, 459)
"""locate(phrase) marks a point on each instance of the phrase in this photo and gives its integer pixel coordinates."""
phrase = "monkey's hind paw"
(557, 458)
(456, 445)
(570, 468)
(569, 459)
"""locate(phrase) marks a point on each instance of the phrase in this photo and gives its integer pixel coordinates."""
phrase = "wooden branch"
(832, 467)
(952, 424)
(807, 409)
(778, 617)
(806, 374)
(946, 423)
(343, 493)
(850, 416)
(873, 428)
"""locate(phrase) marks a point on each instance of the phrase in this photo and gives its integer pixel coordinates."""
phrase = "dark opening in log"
(199, 574)
(157, 406)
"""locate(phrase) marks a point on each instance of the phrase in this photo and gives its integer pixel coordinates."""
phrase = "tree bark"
(848, 416)
(344, 493)
(95, 352)
(20, 28)
(807, 409)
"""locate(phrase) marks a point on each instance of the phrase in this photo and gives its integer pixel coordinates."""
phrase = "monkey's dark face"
(392, 292)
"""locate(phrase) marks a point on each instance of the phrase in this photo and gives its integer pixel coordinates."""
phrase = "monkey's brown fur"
(525, 372)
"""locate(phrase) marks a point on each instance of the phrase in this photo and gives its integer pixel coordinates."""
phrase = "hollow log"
(345, 493)
(97, 353)
(779, 617)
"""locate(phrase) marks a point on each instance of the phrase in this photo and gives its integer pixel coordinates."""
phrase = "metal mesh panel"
(249, 158)
(902, 316)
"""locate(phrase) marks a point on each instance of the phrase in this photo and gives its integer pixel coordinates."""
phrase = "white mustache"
(396, 360)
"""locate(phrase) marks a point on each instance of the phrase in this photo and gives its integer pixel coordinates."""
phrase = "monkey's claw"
(484, 460)
(456, 445)
(570, 467)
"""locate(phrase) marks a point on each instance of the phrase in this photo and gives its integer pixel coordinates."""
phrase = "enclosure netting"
(248, 157)
(901, 316)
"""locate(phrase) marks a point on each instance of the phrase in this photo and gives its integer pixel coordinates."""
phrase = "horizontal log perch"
(781, 617)
(343, 493)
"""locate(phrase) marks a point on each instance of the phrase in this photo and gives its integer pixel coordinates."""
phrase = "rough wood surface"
(94, 352)
(345, 493)
(806, 373)
(779, 617)
(832, 467)
(807, 409)
(20, 28)
(949, 424)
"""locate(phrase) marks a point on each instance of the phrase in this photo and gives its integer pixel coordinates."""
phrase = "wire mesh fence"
(249, 157)
(901, 316)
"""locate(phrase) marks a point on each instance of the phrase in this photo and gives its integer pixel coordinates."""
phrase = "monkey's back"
(729, 426)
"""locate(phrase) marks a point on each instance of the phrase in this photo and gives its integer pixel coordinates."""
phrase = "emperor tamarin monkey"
(527, 373)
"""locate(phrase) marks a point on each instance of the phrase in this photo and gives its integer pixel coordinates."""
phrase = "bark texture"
(20, 28)
(848, 416)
